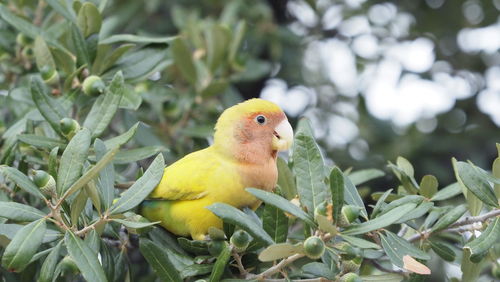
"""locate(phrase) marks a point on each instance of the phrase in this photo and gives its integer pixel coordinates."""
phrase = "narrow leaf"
(286, 180)
(72, 159)
(474, 181)
(381, 221)
(428, 186)
(24, 245)
(133, 155)
(21, 180)
(220, 264)
(158, 260)
(414, 266)
(123, 138)
(337, 191)
(442, 250)
(485, 241)
(131, 38)
(104, 108)
(449, 218)
(184, 60)
(135, 224)
(85, 258)
(365, 175)
(359, 243)
(235, 216)
(275, 223)
(447, 192)
(41, 142)
(405, 247)
(141, 188)
(279, 251)
(50, 109)
(106, 175)
(281, 203)
(19, 212)
(49, 265)
(352, 196)
(309, 172)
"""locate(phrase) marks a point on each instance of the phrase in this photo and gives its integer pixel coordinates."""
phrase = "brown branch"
(466, 221)
(276, 268)
(239, 264)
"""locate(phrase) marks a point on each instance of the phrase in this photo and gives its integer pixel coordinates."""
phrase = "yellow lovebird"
(247, 139)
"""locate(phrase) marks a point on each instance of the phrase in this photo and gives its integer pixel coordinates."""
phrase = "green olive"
(240, 240)
(93, 86)
(314, 247)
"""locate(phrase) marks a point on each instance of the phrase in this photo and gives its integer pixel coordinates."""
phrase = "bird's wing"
(189, 178)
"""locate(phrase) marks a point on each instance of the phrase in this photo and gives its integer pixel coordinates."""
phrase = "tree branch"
(276, 268)
(466, 221)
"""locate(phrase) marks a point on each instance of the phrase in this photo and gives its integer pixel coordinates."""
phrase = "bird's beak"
(283, 136)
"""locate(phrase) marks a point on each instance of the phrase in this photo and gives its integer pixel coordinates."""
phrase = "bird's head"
(252, 130)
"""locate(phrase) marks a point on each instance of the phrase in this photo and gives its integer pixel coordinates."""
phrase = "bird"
(247, 139)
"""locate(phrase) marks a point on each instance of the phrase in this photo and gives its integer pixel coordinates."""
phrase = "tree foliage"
(91, 116)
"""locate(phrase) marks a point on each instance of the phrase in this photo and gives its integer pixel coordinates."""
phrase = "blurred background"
(377, 79)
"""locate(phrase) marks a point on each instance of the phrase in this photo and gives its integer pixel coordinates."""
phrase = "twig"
(91, 226)
(276, 268)
(239, 264)
(465, 221)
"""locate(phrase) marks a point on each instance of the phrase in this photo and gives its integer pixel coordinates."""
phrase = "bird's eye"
(260, 119)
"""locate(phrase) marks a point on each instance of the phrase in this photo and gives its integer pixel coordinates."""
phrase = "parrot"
(247, 139)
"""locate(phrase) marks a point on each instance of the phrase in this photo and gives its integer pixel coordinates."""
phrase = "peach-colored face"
(260, 127)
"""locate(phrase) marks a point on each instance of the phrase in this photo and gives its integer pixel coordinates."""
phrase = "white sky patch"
(341, 131)
(303, 12)
(340, 65)
(293, 101)
(355, 26)
(332, 17)
(484, 39)
(382, 14)
(488, 100)
(407, 100)
(366, 46)
(416, 56)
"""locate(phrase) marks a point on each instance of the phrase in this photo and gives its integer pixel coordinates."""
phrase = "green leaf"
(286, 180)
(237, 38)
(41, 142)
(52, 166)
(24, 245)
(318, 269)
(470, 270)
(495, 170)
(140, 64)
(447, 192)
(72, 159)
(325, 224)
(416, 199)
(107, 261)
(89, 19)
(106, 175)
(105, 107)
(43, 56)
(193, 246)
(196, 269)
(405, 173)
(21, 180)
(404, 247)
(60, 7)
(337, 191)
(422, 209)
(82, 53)
(77, 206)
(485, 241)
(84, 257)
(64, 60)
(281, 203)
(131, 38)
(141, 188)
(49, 265)
(352, 197)
(220, 264)
(9, 230)
(19, 23)
(131, 100)
(217, 38)
(102, 64)
(473, 180)
(309, 172)
(449, 218)
(123, 138)
(135, 224)
(235, 216)
(359, 243)
(158, 260)
(133, 155)
(379, 222)
(50, 109)
(442, 250)
(365, 175)
(275, 223)
(183, 60)
(380, 203)
(428, 186)
(279, 251)
(19, 212)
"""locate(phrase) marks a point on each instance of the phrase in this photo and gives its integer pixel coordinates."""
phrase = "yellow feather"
(208, 176)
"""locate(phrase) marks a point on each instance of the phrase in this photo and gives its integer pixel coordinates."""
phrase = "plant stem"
(277, 268)
(90, 227)
(465, 221)
(239, 264)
